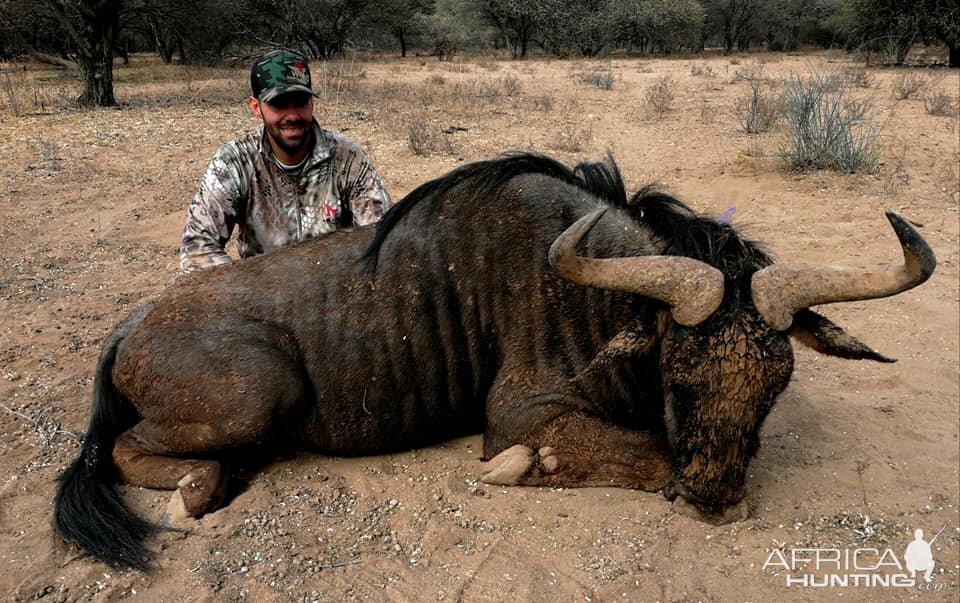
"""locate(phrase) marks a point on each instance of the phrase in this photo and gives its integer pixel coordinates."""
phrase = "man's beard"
(285, 142)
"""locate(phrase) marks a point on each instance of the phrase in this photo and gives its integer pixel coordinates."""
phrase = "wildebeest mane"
(683, 231)
(486, 177)
(686, 233)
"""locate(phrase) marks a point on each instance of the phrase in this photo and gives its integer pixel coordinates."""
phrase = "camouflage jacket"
(243, 186)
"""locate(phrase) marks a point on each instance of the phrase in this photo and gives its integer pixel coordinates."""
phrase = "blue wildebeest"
(593, 339)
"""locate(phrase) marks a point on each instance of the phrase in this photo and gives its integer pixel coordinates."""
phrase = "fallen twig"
(37, 424)
(340, 564)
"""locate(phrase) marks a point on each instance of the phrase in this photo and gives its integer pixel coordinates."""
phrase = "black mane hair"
(682, 230)
(686, 233)
(486, 177)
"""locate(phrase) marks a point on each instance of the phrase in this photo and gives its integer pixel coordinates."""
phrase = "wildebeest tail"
(87, 510)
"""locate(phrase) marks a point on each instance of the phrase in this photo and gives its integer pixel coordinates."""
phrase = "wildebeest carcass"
(594, 340)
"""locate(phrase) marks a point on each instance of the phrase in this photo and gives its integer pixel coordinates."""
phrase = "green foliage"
(658, 26)
(401, 18)
(892, 27)
(319, 28)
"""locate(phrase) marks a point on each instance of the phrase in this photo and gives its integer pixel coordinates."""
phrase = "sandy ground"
(855, 455)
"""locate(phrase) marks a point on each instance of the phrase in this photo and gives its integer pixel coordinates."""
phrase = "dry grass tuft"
(759, 110)
(940, 104)
(426, 139)
(908, 84)
(541, 103)
(571, 137)
(702, 70)
(859, 77)
(511, 85)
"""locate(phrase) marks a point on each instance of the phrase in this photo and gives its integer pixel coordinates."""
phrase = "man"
(288, 182)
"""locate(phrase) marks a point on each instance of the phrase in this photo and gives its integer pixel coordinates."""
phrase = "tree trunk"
(97, 74)
(954, 60)
(93, 27)
(403, 43)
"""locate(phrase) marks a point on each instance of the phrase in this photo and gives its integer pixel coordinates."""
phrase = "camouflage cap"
(279, 72)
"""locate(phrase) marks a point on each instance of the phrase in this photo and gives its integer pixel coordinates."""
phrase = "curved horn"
(691, 288)
(780, 291)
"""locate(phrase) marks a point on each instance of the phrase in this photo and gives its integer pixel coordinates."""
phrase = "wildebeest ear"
(818, 332)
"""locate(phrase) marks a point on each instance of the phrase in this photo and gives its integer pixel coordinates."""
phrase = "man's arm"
(212, 213)
(360, 185)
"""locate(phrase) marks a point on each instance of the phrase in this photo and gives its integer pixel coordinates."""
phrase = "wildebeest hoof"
(200, 491)
(508, 467)
(737, 512)
(549, 461)
(176, 511)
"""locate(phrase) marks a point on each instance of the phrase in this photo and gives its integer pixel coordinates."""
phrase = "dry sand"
(855, 454)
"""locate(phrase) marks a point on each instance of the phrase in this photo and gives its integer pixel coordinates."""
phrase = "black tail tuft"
(87, 511)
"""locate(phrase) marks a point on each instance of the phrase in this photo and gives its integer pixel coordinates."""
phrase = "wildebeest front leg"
(579, 450)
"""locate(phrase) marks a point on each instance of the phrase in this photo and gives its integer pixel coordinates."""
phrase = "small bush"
(571, 137)
(437, 80)
(907, 85)
(541, 103)
(488, 64)
(602, 80)
(828, 130)
(751, 72)
(425, 139)
(660, 95)
(598, 77)
(760, 110)
(702, 71)
(861, 78)
(488, 90)
(511, 85)
(940, 104)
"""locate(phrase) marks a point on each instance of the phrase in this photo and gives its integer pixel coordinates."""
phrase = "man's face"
(287, 119)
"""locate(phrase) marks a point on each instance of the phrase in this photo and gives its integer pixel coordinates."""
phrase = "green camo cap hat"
(279, 72)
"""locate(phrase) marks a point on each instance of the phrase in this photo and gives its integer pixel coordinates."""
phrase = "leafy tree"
(516, 20)
(402, 17)
(659, 25)
(320, 28)
(737, 23)
(899, 24)
(581, 25)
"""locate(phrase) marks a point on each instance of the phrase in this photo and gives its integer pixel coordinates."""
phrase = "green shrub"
(826, 128)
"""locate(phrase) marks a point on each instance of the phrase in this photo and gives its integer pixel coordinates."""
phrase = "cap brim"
(272, 93)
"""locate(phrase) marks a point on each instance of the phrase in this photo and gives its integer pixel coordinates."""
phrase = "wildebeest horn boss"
(595, 340)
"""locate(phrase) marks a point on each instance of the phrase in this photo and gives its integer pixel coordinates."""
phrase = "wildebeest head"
(725, 352)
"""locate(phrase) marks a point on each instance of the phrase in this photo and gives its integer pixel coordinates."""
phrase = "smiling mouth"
(293, 129)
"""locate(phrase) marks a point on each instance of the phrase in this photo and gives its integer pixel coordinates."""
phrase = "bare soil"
(856, 454)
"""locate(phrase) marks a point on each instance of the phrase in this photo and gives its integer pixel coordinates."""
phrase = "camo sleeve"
(212, 213)
(360, 184)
